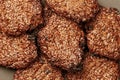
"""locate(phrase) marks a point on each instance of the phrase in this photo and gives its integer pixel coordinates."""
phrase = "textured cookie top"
(62, 41)
(95, 68)
(73, 75)
(17, 16)
(39, 70)
(78, 10)
(104, 38)
(16, 52)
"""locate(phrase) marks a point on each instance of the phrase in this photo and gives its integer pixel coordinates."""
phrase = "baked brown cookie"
(19, 16)
(77, 10)
(62, 41)
(104, 35)
(39, 70)
(95, 68)
(16, 52)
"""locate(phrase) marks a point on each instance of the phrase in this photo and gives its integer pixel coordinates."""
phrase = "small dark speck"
(47, 71)
(42, 61)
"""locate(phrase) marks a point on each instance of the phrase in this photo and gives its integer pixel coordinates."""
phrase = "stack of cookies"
(60, 39)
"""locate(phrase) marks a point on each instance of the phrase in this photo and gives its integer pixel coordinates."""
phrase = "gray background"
(7, 74)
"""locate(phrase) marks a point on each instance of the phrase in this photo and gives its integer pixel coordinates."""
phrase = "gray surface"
(7, 74)
(110, 3)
